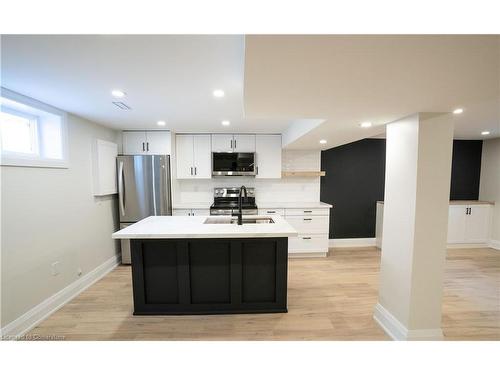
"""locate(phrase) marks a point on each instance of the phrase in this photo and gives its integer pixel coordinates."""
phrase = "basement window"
(32, 134)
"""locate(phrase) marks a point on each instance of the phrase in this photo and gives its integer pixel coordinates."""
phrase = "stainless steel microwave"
(233, 164)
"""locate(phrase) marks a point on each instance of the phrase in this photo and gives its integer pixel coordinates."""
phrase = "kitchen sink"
(234, 220)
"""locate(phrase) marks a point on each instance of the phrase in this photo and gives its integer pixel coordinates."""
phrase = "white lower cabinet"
(272, 211)
(467, 224)
(313, 226)
(190, 212)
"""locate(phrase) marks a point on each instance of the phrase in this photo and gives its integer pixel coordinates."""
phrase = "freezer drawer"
(309, 224)
(308, 243)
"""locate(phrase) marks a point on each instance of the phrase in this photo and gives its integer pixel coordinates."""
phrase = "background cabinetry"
(146, 142)
(233, 142)
(268, 155)
(193, 156)
(190, 212)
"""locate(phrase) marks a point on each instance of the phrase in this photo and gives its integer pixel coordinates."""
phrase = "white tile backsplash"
(290, 189)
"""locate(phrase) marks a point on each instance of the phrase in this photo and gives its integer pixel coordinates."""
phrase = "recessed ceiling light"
(366, 124)
(226, 122)
(322, 141)
(458, 111)
(118, 93)
(486, 132)
(161, 123)
(218, 93)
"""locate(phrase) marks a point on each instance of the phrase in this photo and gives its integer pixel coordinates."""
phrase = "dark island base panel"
(209, 276)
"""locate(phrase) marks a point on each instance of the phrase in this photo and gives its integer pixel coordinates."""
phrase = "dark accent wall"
(466, 170)
(354, 181)
(355, 178)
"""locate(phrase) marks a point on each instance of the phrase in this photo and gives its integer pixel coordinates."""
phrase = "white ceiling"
(165, 77)
(347, 80)
(270, 81)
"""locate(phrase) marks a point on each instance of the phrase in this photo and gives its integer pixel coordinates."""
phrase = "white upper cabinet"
(244, 143)
(146, 143)
(184, 156)
(268, 156)
(158, 143)
(222, 143)
(233, 142)
(193, 156)
(202, 158)
(134, 143)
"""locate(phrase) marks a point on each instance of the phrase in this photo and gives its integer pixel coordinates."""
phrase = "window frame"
(15, 159)
(35, 134)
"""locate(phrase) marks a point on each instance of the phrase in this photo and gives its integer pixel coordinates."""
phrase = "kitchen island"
(208, 265)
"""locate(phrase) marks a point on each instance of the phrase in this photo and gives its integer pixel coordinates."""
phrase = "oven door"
(233, 164)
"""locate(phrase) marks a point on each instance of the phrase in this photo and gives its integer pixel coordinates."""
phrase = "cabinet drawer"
(307, 211)
(309, 224)
(308, 243)
(272, 211)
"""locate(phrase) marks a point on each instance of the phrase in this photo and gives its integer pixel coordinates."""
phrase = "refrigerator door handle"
(120, 188)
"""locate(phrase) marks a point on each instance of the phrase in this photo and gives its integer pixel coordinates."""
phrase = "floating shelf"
(303, 173)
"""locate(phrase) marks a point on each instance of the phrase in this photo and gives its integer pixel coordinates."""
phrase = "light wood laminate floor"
(328, 299)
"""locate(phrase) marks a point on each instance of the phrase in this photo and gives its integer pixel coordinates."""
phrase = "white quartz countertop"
(293, 205)
(194, 227)
(201, 205)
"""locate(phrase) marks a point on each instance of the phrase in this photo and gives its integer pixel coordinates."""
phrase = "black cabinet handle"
(191, 171)
(306, 238)
(307, 219)
(147, 146)
(271, 212)
(307, 211)
(143, 148)
(195, 171)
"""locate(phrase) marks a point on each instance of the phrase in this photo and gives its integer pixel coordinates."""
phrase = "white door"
(202, 160)
(456, 224)
(158, 142)
(222, 143)
(134, 143)
(244, 143)
(184, 156)
(477, 224)
(268, 156)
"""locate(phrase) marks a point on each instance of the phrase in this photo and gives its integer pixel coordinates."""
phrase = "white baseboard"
(352, 242)
(494, 244)
(397, 331)
(41, 311)
(467, 246)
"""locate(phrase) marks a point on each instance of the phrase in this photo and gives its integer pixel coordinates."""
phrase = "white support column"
(417, 189)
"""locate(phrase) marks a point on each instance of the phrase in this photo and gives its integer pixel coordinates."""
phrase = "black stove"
(226, 201)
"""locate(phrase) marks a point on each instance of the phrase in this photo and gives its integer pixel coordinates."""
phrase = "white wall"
(291, 189)
(50, 215)
(489, 189)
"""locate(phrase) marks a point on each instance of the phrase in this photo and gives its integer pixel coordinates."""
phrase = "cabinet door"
(134, 143)
(477, 224)
(202, 156)
(244, 142)
(456, 224)
(184, 156)
(158, 143)
(181, 212)
(200, 212)
(268, 156)
(222, 142)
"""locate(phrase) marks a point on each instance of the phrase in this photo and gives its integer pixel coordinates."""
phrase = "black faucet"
(240, 214)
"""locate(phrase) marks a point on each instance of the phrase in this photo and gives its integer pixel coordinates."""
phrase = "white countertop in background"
(201, 205)
(193, 227)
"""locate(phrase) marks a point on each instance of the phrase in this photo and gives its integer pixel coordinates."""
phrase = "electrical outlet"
(79, 272)
(55, 268)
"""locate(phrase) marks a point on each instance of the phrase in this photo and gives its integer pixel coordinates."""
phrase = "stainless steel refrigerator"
(143, 190)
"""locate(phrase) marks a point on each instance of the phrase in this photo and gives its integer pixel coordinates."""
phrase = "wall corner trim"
(43, 310)
(352, 242)
(397, 331)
